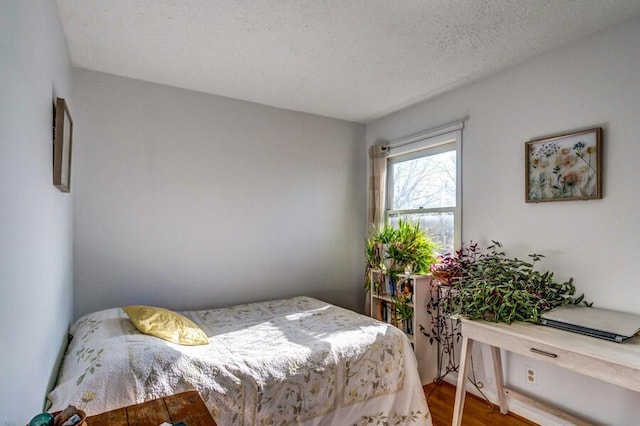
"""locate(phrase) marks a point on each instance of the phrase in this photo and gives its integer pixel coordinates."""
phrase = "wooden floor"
(476, 410)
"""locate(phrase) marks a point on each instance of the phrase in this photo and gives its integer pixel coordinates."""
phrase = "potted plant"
(406, 248)
(491, 286)
(377, 247)
(404, 313)
(412, 250)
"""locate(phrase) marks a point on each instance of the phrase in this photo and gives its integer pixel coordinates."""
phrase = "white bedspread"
(293, 361)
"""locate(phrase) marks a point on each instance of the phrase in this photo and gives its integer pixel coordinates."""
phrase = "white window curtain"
(376, 200)
(377, 191)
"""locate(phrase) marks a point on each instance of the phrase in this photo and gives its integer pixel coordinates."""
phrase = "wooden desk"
(617, 363)
(186, 407)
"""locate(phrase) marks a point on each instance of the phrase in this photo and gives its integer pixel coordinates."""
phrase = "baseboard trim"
(516, 406)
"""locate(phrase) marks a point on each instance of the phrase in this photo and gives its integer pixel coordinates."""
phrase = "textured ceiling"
(351, 59)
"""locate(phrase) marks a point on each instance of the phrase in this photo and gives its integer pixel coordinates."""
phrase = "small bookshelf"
(401, 300)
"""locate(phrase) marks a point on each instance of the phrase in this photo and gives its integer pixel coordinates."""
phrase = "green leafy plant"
(491, 286)
(374, 250)
(386, 235)
(404, 310)
(406, 247)
(412, 249)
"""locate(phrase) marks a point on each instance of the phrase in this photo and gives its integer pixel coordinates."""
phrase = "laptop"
(602, 323)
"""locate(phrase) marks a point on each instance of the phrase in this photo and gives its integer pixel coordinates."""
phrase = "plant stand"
(384, 291)
(446, 333)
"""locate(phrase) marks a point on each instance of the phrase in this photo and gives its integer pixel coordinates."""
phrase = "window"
(423, 183)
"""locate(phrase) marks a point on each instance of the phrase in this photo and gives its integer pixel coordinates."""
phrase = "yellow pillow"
(166, 324)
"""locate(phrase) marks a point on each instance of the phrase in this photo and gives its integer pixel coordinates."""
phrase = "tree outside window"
(422, 187)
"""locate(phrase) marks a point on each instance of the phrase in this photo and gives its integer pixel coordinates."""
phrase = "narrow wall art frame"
(62, 142)
(564, 167)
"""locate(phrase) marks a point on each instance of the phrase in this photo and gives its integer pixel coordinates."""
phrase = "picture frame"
(62, 144)
(564, 167)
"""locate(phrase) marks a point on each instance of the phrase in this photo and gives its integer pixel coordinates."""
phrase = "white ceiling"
(350, 59)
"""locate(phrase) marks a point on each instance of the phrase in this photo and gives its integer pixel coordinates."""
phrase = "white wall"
(595, 82)
(188, 200)
(36, 285)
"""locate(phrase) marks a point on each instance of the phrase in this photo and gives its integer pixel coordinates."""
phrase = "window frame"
(422, 145)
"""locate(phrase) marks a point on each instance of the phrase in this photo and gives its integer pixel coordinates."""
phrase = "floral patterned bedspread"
(292, 361)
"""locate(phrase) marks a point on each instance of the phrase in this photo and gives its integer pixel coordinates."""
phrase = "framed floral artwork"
(564, 167)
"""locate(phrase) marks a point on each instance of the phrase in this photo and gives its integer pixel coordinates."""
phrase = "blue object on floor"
(42, 419)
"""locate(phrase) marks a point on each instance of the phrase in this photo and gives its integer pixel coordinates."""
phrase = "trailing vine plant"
(489, 285)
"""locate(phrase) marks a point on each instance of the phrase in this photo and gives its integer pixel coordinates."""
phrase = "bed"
(281, 362)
